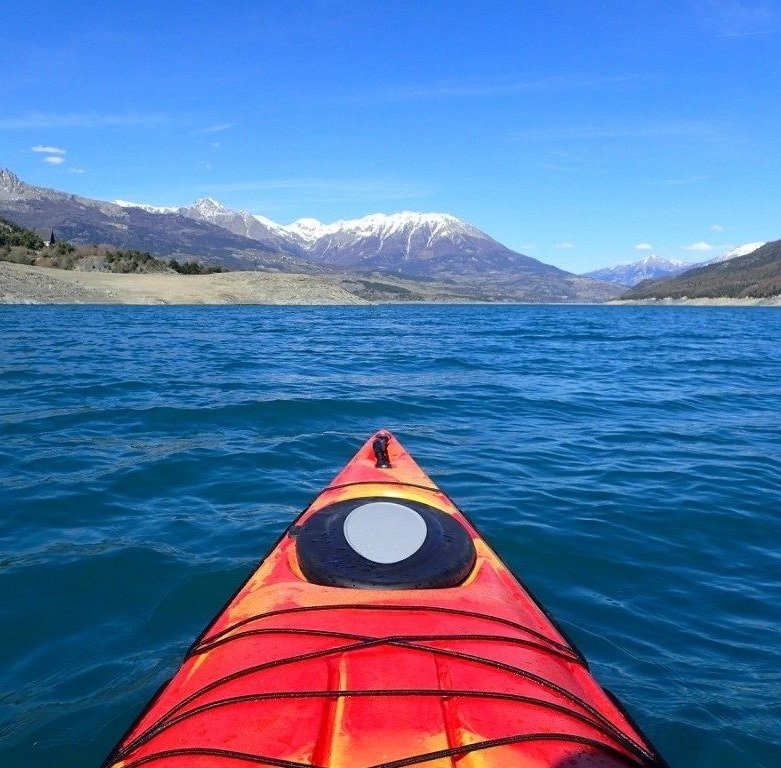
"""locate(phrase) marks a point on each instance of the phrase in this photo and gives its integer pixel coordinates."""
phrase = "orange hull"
(294, 673)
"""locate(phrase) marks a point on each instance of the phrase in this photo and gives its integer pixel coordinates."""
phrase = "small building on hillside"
(47, 235)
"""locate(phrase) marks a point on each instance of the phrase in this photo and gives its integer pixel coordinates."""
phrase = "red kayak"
(382, 631)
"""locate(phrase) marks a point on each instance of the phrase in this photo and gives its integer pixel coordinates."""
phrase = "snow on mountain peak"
(741, 250)
(654, 260)
(208, 205)
(146, 207)
(307, 230)
(384, 225)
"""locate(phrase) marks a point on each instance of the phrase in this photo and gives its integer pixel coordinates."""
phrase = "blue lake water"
(625, 462)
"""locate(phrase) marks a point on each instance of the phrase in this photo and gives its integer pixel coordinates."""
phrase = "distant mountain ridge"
(408, 242)
(653, 267)
(169, 235)
(419, 246)
(648, 268)
(756, 274)
(430, 246)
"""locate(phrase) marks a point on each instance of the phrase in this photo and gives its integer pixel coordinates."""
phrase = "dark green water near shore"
(624, 461)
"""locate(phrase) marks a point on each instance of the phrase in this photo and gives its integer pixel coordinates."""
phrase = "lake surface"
(624, 461)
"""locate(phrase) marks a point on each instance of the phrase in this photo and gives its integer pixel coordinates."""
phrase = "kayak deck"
(294, 673)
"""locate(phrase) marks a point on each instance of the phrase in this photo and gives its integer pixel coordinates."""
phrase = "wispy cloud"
(565, 246)
(717, 228)
(481, 88)
(684, 181)
(330, 189)
(76, 170)
(697, 247)
(46, 120)
(47, 150)
(737, 18)
(695, 129)
(219, 128)
(644, 247)
(54, 159)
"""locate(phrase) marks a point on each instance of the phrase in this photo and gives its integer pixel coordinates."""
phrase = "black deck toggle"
(380, 448)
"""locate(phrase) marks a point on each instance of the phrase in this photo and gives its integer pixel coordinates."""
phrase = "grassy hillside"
(757, 275)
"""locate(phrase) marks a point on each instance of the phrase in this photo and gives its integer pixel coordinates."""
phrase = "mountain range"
(756, 274)
(428, 247)
(171, 235)
(655, 268)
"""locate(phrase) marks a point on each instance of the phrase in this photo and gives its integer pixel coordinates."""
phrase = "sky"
(580, 132)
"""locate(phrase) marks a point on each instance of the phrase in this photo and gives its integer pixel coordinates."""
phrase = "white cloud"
(564, 246)
(698, 247)
(717, 228)
(76, 170)
(46, 150)
(644, 247)
(54, 160)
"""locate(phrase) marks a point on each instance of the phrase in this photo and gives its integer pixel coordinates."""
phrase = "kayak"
(382, 631)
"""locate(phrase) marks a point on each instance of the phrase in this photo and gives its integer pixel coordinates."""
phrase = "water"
(623, 461)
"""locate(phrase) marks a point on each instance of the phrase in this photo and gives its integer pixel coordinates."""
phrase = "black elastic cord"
(563, 648)
(403, 762)
(387, 693)
(606, 726)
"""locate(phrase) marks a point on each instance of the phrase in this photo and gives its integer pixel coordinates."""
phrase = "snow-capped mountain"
(756, 274)
(146, 207)
(412, 242)
(408, 244)
(384, 226)
(648, 268)
(655, 268)
(265, 231)
(741, 250)
(419, 246)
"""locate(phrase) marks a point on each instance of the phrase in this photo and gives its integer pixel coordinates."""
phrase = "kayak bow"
(381, 631)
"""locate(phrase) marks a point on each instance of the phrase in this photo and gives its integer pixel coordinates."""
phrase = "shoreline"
(770, 301)
(23, 284)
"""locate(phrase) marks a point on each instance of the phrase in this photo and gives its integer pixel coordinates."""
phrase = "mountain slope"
(755, 275)
(264, 231)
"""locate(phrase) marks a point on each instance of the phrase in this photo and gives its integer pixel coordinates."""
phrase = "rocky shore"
(772, 301)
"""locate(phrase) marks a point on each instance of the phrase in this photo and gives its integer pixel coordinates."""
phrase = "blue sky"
(581, 133)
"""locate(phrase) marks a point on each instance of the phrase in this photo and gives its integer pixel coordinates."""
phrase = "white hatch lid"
(384, 532)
